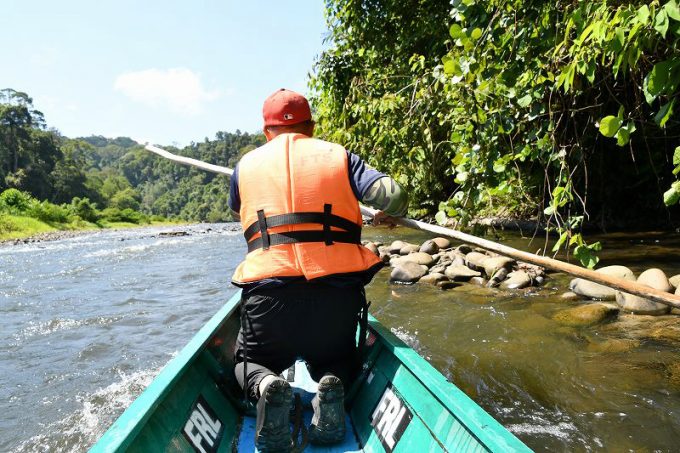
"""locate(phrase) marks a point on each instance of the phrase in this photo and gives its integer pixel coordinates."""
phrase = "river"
(87, 322)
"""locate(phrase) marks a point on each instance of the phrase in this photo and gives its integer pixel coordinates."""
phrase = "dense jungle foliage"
(562, 111)
(116, 178)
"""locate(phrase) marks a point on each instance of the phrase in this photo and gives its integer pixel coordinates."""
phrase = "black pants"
(310, 321)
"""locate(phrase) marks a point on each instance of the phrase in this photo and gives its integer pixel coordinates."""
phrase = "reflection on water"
(87, 322)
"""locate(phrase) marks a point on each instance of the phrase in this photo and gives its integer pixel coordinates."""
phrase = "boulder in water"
(408, 248)
(442, 243)
(417, 257)
(475, 260)
(569, 295)
(654, 278)
(600, 292)
(463, 249)
(517, 280)
(439, 268)
(396, 246)
(457, 272)
(675, 281)
(407, 272)
(433, 278)
(614, 345)
(586, 315)
(479, 281)
(491, 265)
(497, 277)
(448, 284)
(429, 247)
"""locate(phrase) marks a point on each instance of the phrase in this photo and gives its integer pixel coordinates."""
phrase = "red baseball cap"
(285, 107)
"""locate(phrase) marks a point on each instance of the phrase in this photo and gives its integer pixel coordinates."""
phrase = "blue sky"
(166, 71)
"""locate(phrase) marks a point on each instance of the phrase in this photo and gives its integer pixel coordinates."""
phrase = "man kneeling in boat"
(304, 275)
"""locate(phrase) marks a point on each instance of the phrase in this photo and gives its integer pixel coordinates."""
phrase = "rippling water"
(86, 323)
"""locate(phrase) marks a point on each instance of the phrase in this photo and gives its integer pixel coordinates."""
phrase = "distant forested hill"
(120, 169)
(112, 172)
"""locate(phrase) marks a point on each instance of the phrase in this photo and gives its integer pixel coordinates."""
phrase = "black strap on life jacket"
(350, 232)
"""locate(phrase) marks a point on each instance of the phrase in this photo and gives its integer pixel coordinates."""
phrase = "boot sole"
(329, 426)
(276, 402)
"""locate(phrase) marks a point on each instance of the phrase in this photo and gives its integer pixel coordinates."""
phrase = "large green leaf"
(676, 156)
(662, 79)
(455, 31)
(643, 14)
(664, 113)
(524, 101)
(609, 125)
(672, 10)
(586, 254)
(661, 22)
(672, 195)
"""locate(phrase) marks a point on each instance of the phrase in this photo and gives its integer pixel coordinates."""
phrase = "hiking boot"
(328, 422)
(272, 429)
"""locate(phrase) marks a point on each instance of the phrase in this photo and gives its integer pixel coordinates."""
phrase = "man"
(303, 276)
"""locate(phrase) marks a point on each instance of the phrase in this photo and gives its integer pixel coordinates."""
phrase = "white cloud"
(177, 89)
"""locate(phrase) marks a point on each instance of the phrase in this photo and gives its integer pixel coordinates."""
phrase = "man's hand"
(382, 219)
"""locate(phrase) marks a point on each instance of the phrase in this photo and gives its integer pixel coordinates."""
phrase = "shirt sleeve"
(234, 201)
(361, 175)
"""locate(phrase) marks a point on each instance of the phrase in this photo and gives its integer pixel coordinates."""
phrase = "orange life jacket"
(298, 212)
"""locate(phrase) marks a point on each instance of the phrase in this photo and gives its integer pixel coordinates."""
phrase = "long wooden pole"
(618, 283)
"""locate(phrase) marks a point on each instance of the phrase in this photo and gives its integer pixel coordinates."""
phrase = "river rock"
(166, 234)
(373, 248)
(408, 248)
(408, 272)
(417, 257)
(654, 278)
(396, 246)
(666, 335)
(517, 280)
(614, 345)
(475, 260)
(479, 281)
(456, 257)
(429, 247)
(497, 277)
(457, 272)
(464, 249)
(433, 278)
(448, 284)
(442, 243)
(570, 296)
(491, 265)
(673, 371)
(596, 291)
(531, 269)
(586, 315)
(675, 281)
(439, 268)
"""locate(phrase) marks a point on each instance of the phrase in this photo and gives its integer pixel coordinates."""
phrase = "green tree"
(126, 199)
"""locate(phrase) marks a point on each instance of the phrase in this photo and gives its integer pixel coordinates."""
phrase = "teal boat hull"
(400, 403)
